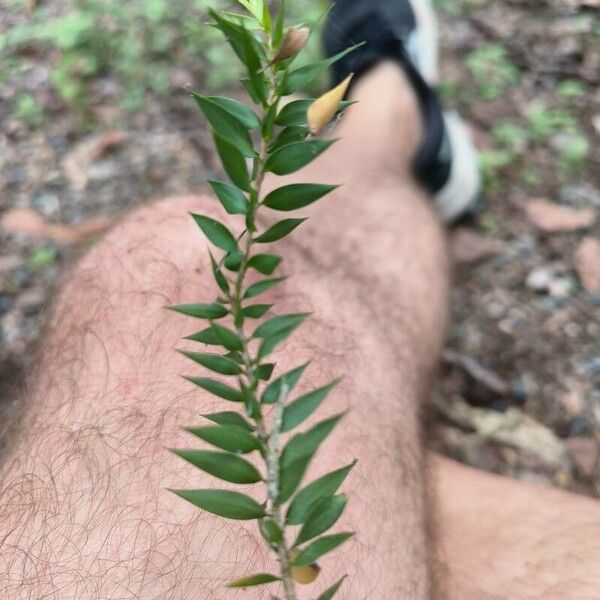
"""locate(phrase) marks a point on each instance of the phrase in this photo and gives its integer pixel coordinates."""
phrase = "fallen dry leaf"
(587, 263)
(27, 222)
(468, 247)
(550, 217)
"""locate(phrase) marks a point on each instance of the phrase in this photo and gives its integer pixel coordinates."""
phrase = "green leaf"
(225, 125)
(234, 163)
(244, 44)
(264, 263)
(294, 113)
(214, 362)
(265, 371)
(216, 232)
(217, 388)
(271, 531)
(277, 324)
(288, 136)
(233, 261)
(323, 516)
(272, 341)
(305, 499)
(201, 311)
(229, 418)
(300, 78)
(222, 465)
(244, 114)
(227, 337)
(319, 547)
(293, 157)
(279, 25)
(299, 410)
(330, 592)
(218, 275)
(288, 381)
(224, 503)
(206, 336)
(256, 311)
(251, 580)
(257, 87)
(262, 286)
(231, 197)
(297, 195)
(279, 231)
(227, 437)
(298, 453)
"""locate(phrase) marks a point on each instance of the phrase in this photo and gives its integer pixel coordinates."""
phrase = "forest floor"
(519, 388)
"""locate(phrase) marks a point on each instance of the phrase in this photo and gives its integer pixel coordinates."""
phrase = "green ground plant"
(244, 333)
(136, 43)
(492, 70)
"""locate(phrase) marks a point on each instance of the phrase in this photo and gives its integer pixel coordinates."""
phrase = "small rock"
(584, 451)
(550, 217)
(561, 287)
(587, 264)
(31, 300)
(539, 279)
(578, 426)
(468, 247)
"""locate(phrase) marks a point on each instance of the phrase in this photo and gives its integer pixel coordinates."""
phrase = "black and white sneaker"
(446, 163)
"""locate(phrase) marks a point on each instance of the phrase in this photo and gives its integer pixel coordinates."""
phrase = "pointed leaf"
(256, 311)
(206, 336)
(305, 499)
(264, 371)
(201, 311)
(297, 195)
(216, 232)
(225, 125)
(234, 163)
(229, 418)
(298, 453)
(257, 87)
(252, 580)
(233, 261)
(294, 113)
(319, 547)
(227, 437)
(286, 383)
(231, 197)
(279, 230)
(271, 342)
(301, 77)
(262, 286)
(323, 516)
(300, 409)
(214, 362)
(218, 275)
(329, 593)
(277, 324)
(217, 388)
(227, 338)
(244, 114)
(288, 136)
(293, 157)
(271, 531)
(224, 503)
(244, 44)
(264, 263)
(221, 464)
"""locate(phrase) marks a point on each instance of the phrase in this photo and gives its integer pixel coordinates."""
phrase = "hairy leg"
(504, 539)
(84, 513)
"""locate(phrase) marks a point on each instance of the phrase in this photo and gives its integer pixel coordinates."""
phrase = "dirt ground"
(519, 388)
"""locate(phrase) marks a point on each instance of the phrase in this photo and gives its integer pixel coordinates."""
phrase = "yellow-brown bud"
(323, 109)
(293, 41)
(303, 575)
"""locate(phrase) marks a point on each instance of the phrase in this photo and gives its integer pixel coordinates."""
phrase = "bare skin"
(84, 511)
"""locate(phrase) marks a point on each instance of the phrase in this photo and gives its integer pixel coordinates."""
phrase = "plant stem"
(270, 440)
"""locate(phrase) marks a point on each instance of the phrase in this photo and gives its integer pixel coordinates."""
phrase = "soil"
(519, 388)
